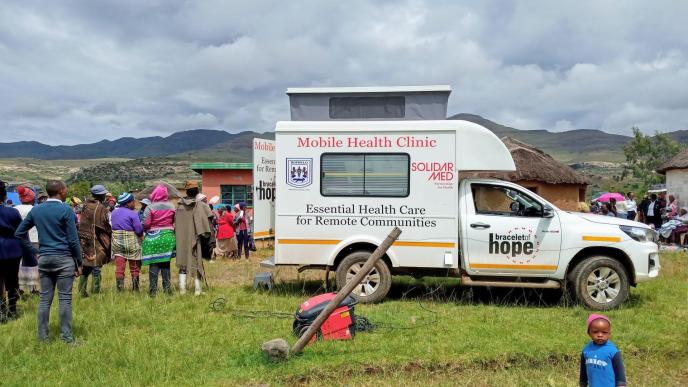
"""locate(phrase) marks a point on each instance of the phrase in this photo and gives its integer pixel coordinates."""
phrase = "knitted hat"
(594, 317)
(124, 198)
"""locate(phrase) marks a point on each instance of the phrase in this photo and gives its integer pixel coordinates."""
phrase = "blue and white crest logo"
(299, 172)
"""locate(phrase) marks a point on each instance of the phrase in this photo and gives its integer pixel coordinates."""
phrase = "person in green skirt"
(159, 244)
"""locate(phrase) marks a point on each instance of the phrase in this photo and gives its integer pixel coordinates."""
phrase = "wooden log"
(346, 290)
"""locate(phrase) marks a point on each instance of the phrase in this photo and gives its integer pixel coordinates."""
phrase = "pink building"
(232, 182)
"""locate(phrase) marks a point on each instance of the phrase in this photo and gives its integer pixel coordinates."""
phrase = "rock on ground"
(276, 350)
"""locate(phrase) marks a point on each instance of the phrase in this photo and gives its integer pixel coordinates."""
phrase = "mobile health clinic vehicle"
(355, 162)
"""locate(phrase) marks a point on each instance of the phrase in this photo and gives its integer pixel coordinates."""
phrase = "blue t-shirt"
(601, 366)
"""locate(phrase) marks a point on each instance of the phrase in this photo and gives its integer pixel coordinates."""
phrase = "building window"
(233, 194)
(361, 108)
(370, 174)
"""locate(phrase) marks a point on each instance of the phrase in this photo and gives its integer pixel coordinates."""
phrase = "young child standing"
(601, 363)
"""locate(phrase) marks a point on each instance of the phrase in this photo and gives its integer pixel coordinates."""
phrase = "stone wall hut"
(676, 171)
(542, 174)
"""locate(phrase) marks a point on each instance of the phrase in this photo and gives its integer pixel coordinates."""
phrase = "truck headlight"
(640, 234)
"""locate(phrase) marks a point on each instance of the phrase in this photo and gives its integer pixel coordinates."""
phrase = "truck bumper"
(646, 261)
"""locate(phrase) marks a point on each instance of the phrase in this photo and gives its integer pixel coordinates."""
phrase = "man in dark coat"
(653, 211)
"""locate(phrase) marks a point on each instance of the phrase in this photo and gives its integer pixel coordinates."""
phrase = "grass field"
(431, 332)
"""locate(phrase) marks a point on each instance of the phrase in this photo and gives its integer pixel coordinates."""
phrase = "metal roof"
(202, 166)
(368, 89)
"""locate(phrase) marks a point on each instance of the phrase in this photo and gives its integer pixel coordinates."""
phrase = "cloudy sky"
(81, 71)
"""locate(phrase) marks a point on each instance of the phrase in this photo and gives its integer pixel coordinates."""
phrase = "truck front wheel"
(374, 286)
(600, 283)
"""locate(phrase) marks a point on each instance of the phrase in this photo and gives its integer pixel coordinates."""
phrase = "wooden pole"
(346, 290)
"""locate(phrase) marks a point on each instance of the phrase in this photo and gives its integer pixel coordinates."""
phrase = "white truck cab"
(344, 183)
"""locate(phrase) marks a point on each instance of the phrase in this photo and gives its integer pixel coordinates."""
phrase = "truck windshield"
(505, 201)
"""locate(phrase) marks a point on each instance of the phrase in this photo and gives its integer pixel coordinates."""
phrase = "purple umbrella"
(605, 197)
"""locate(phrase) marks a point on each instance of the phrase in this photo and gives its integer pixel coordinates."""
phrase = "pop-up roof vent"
(369, 103)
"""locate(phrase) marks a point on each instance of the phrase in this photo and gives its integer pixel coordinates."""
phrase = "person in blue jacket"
(11, 253)
(600, 363)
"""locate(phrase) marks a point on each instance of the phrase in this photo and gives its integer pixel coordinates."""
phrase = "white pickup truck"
(343, 185)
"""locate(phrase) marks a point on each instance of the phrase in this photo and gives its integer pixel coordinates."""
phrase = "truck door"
(508, 232)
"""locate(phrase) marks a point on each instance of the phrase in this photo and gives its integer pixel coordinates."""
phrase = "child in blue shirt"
(601, 363)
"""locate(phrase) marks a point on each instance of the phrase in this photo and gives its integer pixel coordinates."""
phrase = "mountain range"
(217, 145)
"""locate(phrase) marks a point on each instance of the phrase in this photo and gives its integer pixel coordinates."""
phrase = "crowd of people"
(45, 242)
(660, 211)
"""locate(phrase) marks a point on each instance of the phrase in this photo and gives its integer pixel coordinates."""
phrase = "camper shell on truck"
(342, 185)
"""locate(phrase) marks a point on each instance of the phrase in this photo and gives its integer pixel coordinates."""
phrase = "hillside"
(217, 145)
(570, 146)
(126, 147)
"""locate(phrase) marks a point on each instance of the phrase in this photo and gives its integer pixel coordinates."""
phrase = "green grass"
(433, 335)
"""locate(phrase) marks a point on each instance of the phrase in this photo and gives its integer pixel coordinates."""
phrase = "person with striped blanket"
(127, 232)
(159, 244)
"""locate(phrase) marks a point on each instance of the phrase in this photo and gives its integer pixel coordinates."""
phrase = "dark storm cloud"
(81, 71)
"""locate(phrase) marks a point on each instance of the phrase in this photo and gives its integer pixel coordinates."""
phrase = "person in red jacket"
(226, 237)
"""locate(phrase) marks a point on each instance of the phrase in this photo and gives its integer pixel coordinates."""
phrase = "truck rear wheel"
(600, 283)
(374, 286)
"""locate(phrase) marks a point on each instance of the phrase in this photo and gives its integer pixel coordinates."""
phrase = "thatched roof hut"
(534, 164)
(680, 161)
(542, 174)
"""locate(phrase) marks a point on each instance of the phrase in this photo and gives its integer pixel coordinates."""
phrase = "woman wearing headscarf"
(226, 237)
(95, 235)
(159, 243)
(11, 253)
(28, 271)
(126, 236)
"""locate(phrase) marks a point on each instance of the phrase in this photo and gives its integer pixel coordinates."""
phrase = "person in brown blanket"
(94, 234)
(192, 228)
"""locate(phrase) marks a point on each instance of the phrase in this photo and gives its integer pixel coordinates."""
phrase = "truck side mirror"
(548, 212)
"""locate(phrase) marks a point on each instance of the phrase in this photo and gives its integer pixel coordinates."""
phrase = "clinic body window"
(365, 174)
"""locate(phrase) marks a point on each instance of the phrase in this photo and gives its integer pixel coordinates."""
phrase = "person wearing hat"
(600, 360)
(42, 197)
(76, 207)
(127, 232)
(28, 271)
(145, 202)
(95, 235)
(194, 237)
